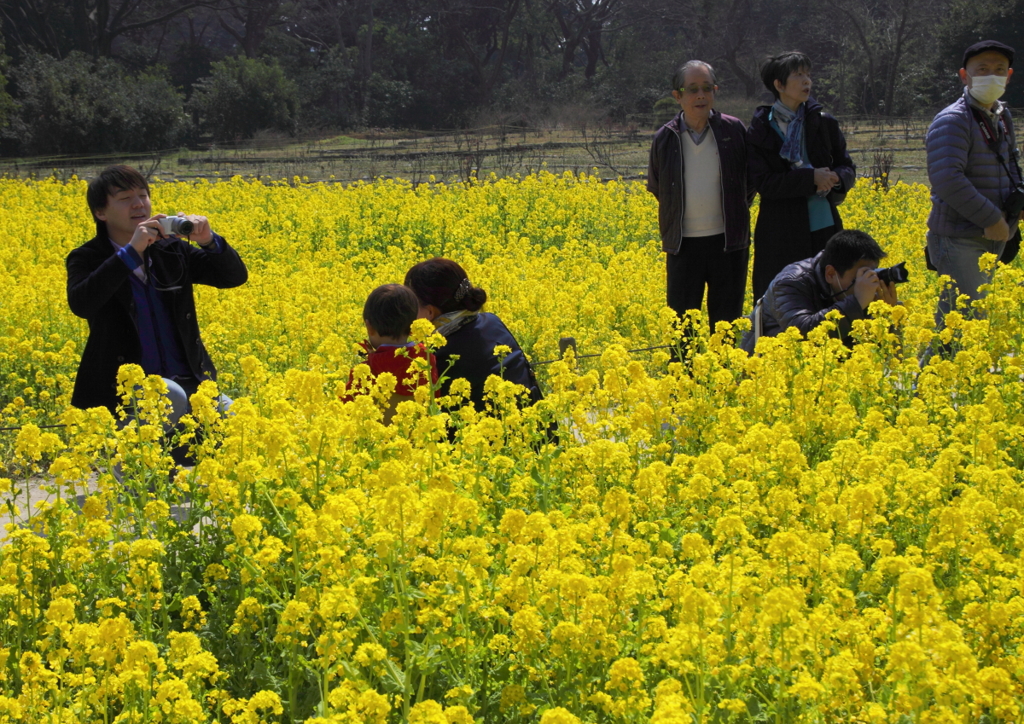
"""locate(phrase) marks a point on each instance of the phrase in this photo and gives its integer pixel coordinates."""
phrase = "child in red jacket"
(388, 315)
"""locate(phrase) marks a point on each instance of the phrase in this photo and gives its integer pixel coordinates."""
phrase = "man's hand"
(999, 231)
(866, 286)
(146, 233)
(202, 234)
(825, 179)
(887, 293)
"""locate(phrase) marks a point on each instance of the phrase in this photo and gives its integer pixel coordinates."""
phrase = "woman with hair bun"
(453, 304)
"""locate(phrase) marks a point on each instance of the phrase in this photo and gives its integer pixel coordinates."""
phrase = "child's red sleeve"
(433, 374)
(348, 396)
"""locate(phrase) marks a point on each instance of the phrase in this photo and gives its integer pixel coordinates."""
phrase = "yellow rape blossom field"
(811, 535)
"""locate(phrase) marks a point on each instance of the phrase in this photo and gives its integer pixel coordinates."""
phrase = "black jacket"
(100, 292)
(474, 344)
(800, 297)
(665, 180)
(782, 234)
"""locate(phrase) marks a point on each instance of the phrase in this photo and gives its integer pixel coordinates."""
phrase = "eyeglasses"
(695, 89)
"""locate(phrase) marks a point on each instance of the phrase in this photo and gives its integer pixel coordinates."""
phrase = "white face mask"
(987, 89)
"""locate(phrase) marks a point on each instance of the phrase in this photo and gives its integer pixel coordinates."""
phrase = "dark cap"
(986, 45)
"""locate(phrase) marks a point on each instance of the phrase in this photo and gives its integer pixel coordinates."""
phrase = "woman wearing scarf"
(453, 304)
(799, 165)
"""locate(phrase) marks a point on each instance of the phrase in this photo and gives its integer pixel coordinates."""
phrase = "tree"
(580, 26)
(243, 96)
(481, 31)
(77, 105)
(194, 50)
(966, 23)
(885, 34)
(89, 26)
(733, 35)
(102, 21)
(249, 21)
(44, 26)
(7, 106)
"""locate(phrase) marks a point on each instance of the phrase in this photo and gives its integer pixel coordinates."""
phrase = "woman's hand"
(825, 179)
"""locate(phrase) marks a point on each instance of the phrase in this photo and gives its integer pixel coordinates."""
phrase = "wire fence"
(568, 342)
(19, 427)
(616, 147)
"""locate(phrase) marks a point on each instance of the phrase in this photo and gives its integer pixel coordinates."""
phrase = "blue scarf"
(793, 148)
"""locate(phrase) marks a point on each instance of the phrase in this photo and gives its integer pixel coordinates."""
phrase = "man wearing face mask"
(842, 277)
(973, 167)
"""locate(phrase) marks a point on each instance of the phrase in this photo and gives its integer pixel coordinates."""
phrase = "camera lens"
(180, 225)
(896, 274)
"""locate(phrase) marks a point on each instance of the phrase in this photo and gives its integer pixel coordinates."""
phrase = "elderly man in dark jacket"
(973, 168)
(698, 173)
(133, 284)
(841, 277)
(800, 167)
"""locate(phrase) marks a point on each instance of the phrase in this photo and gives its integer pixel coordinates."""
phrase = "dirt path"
(30, 495)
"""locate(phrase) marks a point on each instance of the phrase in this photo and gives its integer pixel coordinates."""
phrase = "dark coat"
(100, 292)
(783, 231)
(474, 344)
(800, 297)
(665, 180)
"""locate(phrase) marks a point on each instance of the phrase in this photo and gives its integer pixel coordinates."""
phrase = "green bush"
(665, 110)
(243, 96)
(77, 105)
(327, 90)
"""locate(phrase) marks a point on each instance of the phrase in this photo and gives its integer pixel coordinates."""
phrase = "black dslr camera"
(896, 274)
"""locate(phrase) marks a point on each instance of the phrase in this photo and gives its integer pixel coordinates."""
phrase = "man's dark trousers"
(703, 262)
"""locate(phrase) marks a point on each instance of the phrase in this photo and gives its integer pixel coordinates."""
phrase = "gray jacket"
(969, 185)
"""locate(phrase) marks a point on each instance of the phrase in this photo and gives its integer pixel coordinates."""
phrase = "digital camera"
(896, 274)
(176, 225)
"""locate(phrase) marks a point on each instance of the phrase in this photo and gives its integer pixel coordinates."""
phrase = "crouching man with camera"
(133, 284)
(844, 277)
(977, 190)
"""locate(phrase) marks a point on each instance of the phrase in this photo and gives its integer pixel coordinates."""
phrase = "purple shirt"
(162, 353)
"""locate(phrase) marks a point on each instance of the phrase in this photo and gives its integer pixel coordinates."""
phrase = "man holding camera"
(974, 170)
(133, 284)
(841, 277)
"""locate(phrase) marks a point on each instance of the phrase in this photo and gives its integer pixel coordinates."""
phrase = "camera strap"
(988, 133)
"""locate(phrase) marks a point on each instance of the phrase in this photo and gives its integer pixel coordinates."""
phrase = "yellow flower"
(838, 529)
(558, 715)
(367, 654)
